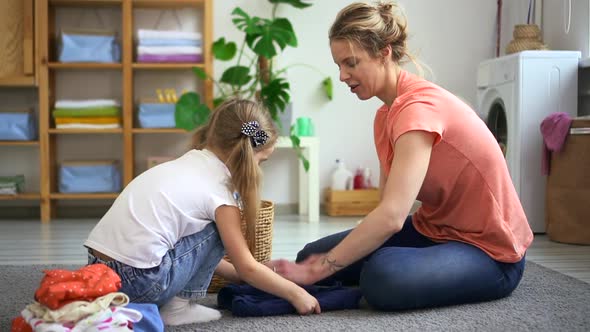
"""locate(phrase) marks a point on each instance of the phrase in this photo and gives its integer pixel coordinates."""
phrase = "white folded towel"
(86, 103)
(168, 50)
(167, 34)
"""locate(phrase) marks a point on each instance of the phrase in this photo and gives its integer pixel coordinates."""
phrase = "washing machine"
(514, 94)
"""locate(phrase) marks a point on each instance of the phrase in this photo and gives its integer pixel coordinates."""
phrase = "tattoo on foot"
(332, 265)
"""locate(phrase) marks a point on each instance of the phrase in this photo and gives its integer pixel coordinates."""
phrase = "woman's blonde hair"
(373, 28)
(223, 133)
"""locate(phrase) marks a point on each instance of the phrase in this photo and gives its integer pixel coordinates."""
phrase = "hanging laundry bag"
(156, 115)
(89, 177)
(85, 45)
(17, 126)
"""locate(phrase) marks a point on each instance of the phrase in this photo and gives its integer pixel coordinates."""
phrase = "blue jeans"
(185, 271)
(410, 271)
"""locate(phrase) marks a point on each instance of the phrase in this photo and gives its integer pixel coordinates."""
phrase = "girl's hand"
(305, 304)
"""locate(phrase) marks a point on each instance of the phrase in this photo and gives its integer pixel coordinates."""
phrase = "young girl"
(166, 233)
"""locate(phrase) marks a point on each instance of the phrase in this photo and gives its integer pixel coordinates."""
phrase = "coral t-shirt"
(467, 194)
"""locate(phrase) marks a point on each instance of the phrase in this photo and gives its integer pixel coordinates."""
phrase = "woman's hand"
(301, 274)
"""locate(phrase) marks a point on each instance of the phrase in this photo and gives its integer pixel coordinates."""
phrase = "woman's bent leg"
(397, 278)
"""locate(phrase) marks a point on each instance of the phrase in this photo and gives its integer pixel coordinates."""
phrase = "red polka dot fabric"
(60, 287)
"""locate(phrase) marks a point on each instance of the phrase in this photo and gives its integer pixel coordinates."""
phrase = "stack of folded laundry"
(87, 114)
(11, 185)
(85, 300)
(169, 46)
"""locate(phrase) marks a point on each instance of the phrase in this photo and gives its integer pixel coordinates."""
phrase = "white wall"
(451, 37)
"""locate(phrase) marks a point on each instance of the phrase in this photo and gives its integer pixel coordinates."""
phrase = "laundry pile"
(85, 300)
(169, 46)
(87, 114)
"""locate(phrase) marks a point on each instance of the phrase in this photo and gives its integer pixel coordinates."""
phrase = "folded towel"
(86, 103)
(89, 120)
(554, 128)
(86, 112)
(169, 42)
(176, 58)
(167, 50)
(247, 301)
(87, 126)
(167, 34)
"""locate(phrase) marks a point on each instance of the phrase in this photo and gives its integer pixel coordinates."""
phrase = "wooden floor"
(60, 242)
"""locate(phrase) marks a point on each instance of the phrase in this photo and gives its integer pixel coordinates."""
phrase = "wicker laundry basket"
(260, 243)
(526, 37)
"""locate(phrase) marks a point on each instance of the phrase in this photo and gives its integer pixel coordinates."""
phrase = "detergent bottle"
(341, 177)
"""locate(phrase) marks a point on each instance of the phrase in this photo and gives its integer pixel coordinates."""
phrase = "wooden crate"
(351, 202)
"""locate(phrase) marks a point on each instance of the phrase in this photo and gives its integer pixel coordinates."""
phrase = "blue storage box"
(89, 177)
(156, 115)
(88, 46)
(17, 126)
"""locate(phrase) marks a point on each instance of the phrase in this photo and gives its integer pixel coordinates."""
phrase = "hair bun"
(385, 7)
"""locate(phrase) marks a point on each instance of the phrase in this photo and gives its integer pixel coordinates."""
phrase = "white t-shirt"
(163, 204)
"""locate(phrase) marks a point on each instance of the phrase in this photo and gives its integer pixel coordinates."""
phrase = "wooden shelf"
(84, 196)
(20, 143)
(167, 3)
(50, 74)
(17, 81)
(83, 65)
(159, 131)
(166, 66)
(21, 196)
(85, 131)
(85, 3)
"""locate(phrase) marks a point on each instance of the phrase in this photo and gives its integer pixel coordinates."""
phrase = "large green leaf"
(190, 112)
(269, 34)
(224, 51)
(245, 23)
(236, 76)
(295, 3)
(276, 96)
(328, 87)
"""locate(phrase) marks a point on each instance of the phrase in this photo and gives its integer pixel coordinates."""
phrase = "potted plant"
(255, 74)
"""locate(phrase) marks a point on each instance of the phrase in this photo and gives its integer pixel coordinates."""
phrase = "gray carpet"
(545, 301)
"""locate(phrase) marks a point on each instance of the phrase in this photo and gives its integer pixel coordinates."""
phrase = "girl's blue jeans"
(185, 271)
(410, 271)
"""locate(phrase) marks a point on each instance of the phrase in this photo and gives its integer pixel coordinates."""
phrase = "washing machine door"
(497, 111)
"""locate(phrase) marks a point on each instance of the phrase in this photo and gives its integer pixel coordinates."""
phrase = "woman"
(467, 241)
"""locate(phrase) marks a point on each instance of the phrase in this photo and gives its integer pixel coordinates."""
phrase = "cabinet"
(17, 43)
(121, 81)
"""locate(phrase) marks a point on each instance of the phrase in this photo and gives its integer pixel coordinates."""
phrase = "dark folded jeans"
(247, 301)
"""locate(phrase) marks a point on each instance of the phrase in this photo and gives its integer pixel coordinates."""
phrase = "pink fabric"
(170, 58)
(554, 128)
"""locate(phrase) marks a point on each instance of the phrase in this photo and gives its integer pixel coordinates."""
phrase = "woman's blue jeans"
(185, 271)
(410, 271)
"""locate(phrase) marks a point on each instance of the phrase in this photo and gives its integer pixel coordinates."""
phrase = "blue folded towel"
(247, 301)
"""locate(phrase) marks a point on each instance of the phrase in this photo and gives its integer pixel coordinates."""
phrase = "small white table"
(309, 182)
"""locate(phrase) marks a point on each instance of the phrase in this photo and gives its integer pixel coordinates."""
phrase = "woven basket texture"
(259, 243)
